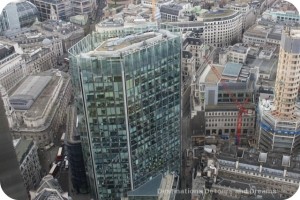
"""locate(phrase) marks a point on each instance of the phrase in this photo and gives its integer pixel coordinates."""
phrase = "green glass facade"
(129, 113)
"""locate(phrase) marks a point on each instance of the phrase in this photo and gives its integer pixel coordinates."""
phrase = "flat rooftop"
(218, 13)
(272, 163)
(258, 30)
(232, 69)
(212, 77)
(39, 105)
(61, 27)
(26, 94)
(186, 24)
(40, 90)
(234, 184)
(266, 66)
(226, 107)
(239, 48)
(118, 45)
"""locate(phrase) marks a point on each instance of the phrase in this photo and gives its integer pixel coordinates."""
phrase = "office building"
(11, 180)
(218, 27)
(217, 94)
(263, 33)
(31, 39)
(282, 16)
(75, 156)
(128, 102)
(194, 51)
(12, 65)
(163, 186)
(238, 53)
(282, 12)
(36, 106)
(53, 9)
(130, 19)
(279, 120)
(256, 34)
(148, 3)
(173, 12)
(39, 60)
(119, 2)
(192, 63)
(84, 7)
(19, 14)
(248, 14)
(67, 32)
(29, 162)
(245, 174)
(222, 27)
(266, 61)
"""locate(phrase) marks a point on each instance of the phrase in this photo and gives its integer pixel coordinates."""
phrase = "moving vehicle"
(59, 156)
(62, 139)
(54, 169)
(67, 164)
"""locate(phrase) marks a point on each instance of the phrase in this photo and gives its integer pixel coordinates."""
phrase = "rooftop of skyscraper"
(129, 43)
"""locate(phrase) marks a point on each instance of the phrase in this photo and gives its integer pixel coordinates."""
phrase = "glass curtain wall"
(129, 113)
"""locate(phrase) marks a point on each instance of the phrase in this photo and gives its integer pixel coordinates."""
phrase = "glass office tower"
(128, 98)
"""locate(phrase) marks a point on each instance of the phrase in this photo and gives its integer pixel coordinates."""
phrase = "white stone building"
(247, 13)
(238, 53)
(36, 107)
(12, 65)
(52, 9)
(84, 7)
(216, 96)
(222, 27)
(30, 167)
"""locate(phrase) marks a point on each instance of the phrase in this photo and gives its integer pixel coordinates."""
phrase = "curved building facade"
(25, 11)
(280, 127)
(128, 100)
(222, 27)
